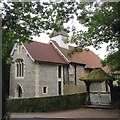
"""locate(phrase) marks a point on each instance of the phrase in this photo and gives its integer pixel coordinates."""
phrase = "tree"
(112, 60)
(103, 22)
(22, 20)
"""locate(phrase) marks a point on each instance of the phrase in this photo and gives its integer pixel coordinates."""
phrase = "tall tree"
(103, 22)
(22, 20)
(112, 60)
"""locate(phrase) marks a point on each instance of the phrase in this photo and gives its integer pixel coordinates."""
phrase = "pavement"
(77, 113)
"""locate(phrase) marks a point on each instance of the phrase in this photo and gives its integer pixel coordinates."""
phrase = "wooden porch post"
(110, 83)
(88, 83)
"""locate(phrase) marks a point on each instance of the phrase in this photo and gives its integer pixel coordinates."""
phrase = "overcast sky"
(73, 22)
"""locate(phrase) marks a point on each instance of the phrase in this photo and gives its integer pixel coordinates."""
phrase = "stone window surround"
(45, 90)
(19, 68)
(16, 92)
(59, 69)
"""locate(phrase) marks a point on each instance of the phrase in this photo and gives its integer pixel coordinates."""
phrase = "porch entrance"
(97, 77)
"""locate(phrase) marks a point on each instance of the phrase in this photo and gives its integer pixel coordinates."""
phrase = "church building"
(41, 70)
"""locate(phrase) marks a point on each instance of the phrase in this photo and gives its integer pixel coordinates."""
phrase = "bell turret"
(60, 38)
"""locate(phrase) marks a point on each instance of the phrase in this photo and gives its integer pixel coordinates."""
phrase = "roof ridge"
(44, 52)
(38, 42)
(60, 52)
(57, 52)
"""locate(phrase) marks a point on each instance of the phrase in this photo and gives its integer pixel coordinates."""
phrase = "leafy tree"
(112, 60)
(20, 21)
(103, 22)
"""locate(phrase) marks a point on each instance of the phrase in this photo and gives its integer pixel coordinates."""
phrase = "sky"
(73, 22)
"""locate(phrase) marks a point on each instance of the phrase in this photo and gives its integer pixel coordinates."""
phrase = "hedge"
(45, 104)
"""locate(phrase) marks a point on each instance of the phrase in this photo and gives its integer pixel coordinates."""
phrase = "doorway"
(19, 91)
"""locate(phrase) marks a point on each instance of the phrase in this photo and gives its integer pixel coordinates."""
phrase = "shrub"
(45, 104)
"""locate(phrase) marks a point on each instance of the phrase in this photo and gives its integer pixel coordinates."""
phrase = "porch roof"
(97, 75)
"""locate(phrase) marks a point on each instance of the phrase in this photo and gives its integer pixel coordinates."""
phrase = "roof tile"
(44, 52)
(85, 57)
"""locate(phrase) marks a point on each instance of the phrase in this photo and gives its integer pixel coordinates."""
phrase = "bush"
(45, 104)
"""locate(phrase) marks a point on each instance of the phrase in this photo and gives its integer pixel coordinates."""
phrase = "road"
(77, 113)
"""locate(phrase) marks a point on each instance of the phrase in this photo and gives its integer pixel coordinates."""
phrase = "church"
(42, 70)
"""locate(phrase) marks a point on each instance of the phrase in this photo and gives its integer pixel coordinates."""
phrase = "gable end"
(27, 53)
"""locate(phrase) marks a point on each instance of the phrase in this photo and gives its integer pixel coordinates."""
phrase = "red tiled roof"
(44, 52)
(47, 53)
(85, 57)
(106, 69)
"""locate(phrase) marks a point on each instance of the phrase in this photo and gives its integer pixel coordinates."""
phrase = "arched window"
(19, 68)
(19, 91)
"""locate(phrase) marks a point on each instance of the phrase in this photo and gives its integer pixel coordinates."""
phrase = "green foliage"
(45, 104)
(104, 26)
(100, 23)
(112, 60)
(73, 51)
(21, 20)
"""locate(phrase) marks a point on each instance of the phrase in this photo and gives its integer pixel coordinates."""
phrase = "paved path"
(77, 113)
